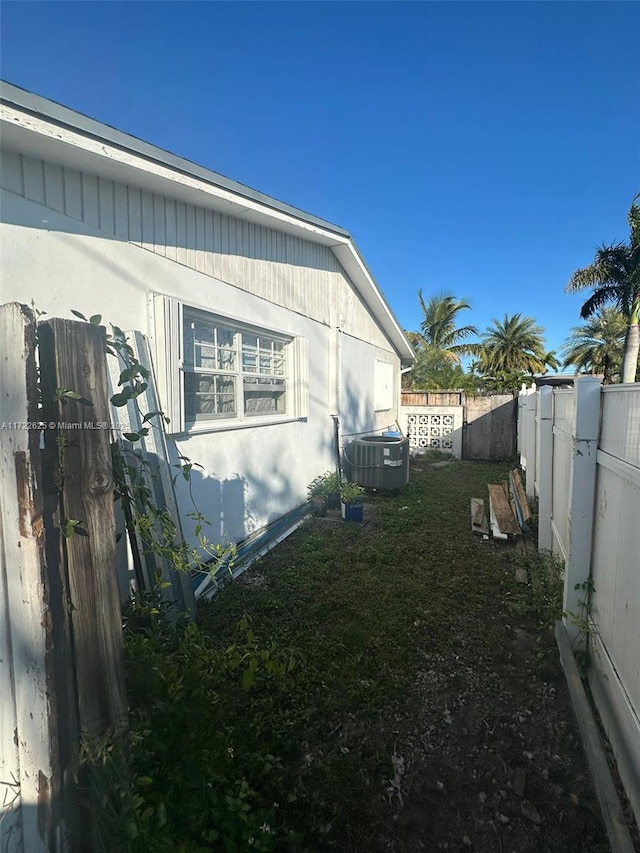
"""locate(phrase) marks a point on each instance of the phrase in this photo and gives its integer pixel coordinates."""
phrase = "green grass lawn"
(275, 723)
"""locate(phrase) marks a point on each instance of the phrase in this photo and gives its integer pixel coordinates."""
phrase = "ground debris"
(528, 810)
(519, 781)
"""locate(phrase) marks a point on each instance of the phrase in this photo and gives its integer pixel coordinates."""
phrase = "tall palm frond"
(515, 344)
(438, 327)
(596, 346)
(614, 277)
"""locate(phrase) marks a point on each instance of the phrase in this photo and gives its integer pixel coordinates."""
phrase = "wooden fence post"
(72, 357)
(581, 499)
(30, 772)
(544, 466)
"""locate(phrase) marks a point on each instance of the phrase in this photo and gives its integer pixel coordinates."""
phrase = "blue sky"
(484, 149)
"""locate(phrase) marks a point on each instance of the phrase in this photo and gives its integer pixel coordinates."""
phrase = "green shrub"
(195, 772)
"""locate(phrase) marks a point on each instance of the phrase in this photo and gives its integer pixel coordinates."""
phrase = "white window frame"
(168, 325)
(238, 358)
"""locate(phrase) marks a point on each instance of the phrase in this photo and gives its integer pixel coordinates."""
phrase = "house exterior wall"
(303, 276)
(72, 241)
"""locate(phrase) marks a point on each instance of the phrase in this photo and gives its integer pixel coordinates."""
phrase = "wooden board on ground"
(500, 509)
(495, 529)
(479, 517)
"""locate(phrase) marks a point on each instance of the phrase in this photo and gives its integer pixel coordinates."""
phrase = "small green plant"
(351, 493)
(582, 621)
(324, 486)
(134, 477)
(432, 454)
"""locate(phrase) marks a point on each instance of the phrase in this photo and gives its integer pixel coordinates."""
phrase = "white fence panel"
(592, 470)
(620, 434)
(560, 491)
(615, 570)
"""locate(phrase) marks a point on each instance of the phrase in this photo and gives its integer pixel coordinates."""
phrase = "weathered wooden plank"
(495, 528)
(75, 353)
(28, 737)
(479, 517)
(502, 511)
(521, 498)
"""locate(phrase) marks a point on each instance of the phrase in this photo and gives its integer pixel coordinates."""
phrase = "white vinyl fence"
(580, 448)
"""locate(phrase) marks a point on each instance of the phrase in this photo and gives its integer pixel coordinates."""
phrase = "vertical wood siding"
(298, 274)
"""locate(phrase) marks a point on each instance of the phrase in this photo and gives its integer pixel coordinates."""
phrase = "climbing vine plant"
(134, 475)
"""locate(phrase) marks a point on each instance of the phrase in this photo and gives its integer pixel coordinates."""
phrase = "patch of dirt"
(493, 760)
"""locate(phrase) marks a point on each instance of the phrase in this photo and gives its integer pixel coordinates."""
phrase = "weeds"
(201, 775)
(582, 622)
(543, 601)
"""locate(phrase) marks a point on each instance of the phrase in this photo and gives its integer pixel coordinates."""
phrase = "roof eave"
(35, 124)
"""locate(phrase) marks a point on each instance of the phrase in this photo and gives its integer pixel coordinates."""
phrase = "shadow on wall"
(241, 505)
(357, 415)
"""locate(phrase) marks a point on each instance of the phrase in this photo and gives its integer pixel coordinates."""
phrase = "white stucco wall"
(251, 475)
(358, 387)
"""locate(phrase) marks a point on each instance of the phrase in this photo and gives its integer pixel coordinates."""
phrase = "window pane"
(217, 358)
(208, 346)
(264, 396)
(263, 355)
(208, 397)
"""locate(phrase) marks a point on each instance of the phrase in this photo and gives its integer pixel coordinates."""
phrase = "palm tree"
(550, 359)
(615, 278)
(596, 347)
(438, 330)
(513, 346)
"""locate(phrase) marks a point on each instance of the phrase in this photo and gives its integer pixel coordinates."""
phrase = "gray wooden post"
(544, 463)
(73, 357)
(581, 499)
